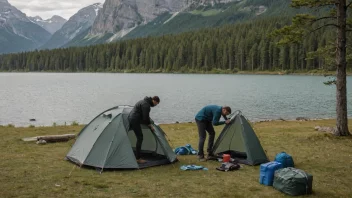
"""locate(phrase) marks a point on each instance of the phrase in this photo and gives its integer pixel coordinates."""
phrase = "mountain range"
(17, 32)
(124, 19)
(51, 25)
(78, 23)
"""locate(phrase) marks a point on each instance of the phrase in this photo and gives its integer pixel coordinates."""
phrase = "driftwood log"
(51, 138)
(57, 138)
(331, 130)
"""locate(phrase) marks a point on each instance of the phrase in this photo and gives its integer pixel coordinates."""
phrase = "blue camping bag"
(185, 150)
(267, 172)
(285, 159)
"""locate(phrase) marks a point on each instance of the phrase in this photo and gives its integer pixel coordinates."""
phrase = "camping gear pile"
(282, 175)
(228, 166)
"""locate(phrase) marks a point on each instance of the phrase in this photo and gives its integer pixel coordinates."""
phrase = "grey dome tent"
(240, 141)
(107, 143)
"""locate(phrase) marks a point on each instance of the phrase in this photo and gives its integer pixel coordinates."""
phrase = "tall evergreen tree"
(337, 18)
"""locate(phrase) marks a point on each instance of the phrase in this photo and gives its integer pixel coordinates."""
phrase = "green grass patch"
(30, 170)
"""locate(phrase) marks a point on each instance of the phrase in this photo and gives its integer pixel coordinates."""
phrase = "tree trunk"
(341, 93)
(241, 60)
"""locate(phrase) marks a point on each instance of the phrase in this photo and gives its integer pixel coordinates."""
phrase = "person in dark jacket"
(140, 115)
(205, 119)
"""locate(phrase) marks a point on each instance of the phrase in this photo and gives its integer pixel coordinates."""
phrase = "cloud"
(48, 8)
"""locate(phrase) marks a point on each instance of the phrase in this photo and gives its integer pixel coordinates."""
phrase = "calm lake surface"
(65, 97)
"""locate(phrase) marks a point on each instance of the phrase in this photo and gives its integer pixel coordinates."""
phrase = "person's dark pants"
(136, 127)
(203, 127)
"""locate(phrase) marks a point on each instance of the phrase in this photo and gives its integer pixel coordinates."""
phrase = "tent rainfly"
(240, 141)
(108, 143)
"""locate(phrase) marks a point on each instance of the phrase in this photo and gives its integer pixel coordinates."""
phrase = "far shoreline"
(215, 71)
(74, 123)
(276, 73)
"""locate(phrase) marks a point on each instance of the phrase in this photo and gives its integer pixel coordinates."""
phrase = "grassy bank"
(30, 170)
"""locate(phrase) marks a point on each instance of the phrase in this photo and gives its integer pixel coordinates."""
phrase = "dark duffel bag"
(293, 181)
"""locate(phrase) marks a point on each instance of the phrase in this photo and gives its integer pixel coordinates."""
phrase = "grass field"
(31, 170)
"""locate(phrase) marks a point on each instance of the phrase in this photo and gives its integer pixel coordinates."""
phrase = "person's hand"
(227, 121)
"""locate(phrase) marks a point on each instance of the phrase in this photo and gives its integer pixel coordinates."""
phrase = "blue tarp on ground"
(193, 167)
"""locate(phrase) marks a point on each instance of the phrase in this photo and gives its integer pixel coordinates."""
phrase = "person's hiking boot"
(201, 158)
(211, 157)
(141, 161)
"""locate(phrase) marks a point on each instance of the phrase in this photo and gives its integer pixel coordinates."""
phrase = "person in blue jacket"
(205, 119)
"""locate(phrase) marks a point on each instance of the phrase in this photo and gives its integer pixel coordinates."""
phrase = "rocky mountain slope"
(122, 19)
(77, 24)
(17, 32)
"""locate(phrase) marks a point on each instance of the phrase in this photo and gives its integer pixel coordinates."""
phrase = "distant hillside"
(174, 19)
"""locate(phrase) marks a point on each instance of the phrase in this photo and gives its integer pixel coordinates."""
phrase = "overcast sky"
(47, 8)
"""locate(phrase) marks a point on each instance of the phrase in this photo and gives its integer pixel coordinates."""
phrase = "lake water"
(60, 97)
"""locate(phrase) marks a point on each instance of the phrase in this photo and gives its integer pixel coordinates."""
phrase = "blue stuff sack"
(267, 172)
(285, 159)
(185, 150)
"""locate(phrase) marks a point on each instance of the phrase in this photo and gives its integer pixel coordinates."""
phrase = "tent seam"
(233, 134)
(106, 157)
(100, 135)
